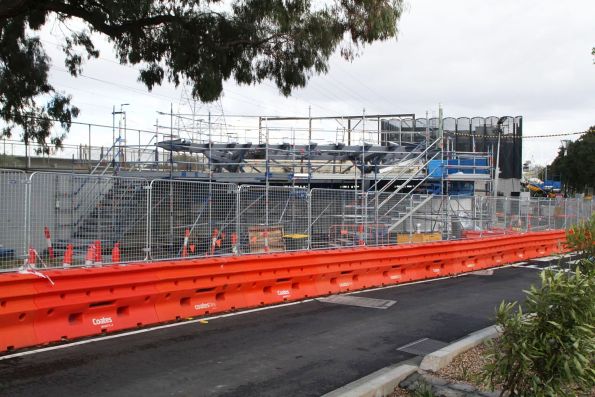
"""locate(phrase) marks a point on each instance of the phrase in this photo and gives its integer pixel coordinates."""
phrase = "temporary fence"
(13, 215)
(191, 218)
(64, 219)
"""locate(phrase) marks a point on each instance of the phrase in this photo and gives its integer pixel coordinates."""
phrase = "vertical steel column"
(410, 218)
(210, 198)
(578, 209)
(519, 215)
(149, 188)
(527, 218)
(504, 211)
(565, 218)
(365, 218)
(27, 239)
(309, 198)
(549, 215)
(89, 144)
(238, 218)
(448, 219)
(482, 225)
(474, 213)
(266, 174)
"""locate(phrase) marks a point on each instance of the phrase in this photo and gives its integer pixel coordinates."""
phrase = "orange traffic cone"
(90, 257)
(116, 253)
(67, 261)
(360, 235)
(98, 258)
(32, 258)
(185, 247)
(48, 239)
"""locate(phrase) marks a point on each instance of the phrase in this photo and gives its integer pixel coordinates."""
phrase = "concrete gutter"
(384, 381)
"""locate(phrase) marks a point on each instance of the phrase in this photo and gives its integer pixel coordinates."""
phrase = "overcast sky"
(476, 58)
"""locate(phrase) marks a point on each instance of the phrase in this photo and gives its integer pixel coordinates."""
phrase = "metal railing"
(77, 220)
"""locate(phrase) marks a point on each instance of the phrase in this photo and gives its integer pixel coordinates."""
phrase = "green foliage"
(551, 351)
(580, 238)
(201, 43)
(576, 166)
(423, 390)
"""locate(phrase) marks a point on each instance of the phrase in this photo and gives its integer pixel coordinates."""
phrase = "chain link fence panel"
(273, 218)
(13, 212)
(87, 215)
(192, 219)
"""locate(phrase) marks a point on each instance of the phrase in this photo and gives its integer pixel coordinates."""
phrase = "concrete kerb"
(441, 358)
(384, 381)
(378, 384)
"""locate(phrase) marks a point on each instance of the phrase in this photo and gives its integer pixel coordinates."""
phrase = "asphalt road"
(306, 349)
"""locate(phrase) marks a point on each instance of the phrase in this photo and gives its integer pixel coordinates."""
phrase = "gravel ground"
(464, 368)
(400, 393)
(467, 368)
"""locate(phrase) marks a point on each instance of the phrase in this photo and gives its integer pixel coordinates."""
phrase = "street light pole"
(123, 115)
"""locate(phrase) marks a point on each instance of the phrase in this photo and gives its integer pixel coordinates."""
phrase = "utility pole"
(309, 124)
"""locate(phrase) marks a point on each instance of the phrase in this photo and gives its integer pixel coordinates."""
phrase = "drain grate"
(422, 346)
(358, 301)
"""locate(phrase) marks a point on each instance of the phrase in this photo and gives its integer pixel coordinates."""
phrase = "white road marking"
(415, 342)
(360, 301)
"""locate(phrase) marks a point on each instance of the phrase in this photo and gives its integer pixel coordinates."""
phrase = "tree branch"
(98, 21)
(14, 8)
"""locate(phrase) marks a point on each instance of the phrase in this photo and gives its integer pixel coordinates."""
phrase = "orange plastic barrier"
(91, 301)
(17, 312)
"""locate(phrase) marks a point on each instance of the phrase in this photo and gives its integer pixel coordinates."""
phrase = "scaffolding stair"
(114, 215)
(416, 206)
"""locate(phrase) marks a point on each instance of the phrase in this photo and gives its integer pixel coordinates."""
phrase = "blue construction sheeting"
(551, 185)
(437, 169)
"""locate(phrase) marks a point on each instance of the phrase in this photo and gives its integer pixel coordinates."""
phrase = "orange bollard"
(116, 253)
(67, 261)
(90, 257)
(48, 239)
(185, 247)
(32, 258)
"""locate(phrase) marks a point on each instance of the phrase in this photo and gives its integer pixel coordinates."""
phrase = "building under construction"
(208, 185)
(374, 152)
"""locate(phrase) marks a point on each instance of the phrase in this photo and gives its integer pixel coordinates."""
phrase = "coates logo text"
(202, 306)
(103, 321)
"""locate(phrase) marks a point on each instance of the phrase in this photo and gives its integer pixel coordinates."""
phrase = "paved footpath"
(306, 349)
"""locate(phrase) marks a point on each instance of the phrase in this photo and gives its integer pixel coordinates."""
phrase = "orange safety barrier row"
(91, 301)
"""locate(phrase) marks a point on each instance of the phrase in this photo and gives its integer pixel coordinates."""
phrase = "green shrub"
(424, 390)
(580, 238)
(550, 351)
